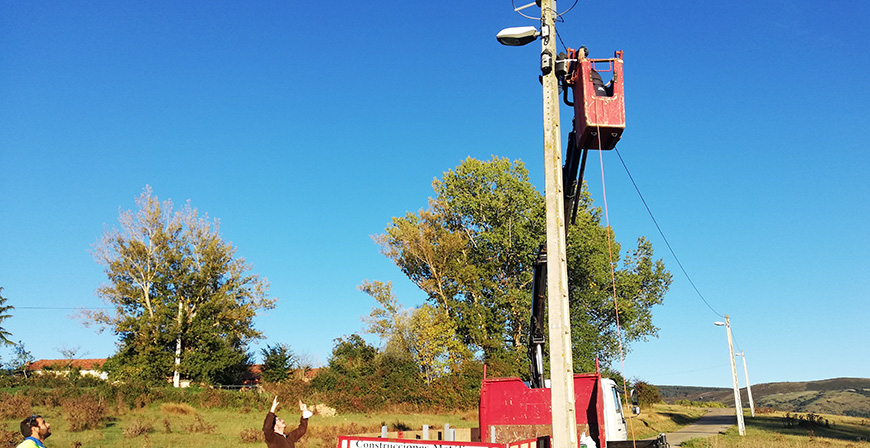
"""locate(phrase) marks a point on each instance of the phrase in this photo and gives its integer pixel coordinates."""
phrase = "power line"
(702, 369)
(663, 234)
(60, 308)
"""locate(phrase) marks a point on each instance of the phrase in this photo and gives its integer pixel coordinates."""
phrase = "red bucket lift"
(599, 113)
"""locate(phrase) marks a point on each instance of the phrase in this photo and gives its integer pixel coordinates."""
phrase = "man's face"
(43, 427)
(279, 425)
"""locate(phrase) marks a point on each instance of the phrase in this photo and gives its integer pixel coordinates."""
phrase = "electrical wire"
(704, 369)
(558, 15)
(564, 47)
(667, 243)
(61, 308)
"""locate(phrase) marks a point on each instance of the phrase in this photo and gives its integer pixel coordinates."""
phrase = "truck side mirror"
(635, 404)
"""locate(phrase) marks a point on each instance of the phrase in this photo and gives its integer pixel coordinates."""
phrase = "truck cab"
(614, 419)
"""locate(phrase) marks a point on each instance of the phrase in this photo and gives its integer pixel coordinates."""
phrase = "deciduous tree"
(389, 321)
(472, 252)
(436, 347)
(21, 360)
(183, 302)
(422, 335)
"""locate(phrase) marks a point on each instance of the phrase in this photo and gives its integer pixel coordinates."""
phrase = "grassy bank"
(776, 430)
(662, 418)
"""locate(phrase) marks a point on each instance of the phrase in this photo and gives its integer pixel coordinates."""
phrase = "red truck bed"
(510, 410)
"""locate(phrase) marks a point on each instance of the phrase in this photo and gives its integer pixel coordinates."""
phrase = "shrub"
(213, 398)
(252, 435)
(137, 428)
(10, 438)
(14, 406)
(84, 412)
(200, 426)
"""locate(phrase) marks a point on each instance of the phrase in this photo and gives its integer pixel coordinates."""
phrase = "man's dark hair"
(27, 423)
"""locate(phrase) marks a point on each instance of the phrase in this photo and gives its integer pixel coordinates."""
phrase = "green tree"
(350, 378)
(389, 321)
(22, 358)
(472, 252)
(647, 394)
(421, 335)
(436, 348)
(277, 362)
(183, 302)
(4, 314)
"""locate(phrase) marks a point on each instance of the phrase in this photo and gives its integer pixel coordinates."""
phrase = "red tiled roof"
(84, 364)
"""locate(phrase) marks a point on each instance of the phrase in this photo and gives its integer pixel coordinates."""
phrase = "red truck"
(510, 410)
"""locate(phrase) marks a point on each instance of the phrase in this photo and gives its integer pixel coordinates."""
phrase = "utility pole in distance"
(741, 429)
(564, 418)
(748, 388)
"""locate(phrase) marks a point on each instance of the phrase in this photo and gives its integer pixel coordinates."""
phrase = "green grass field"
(181, 426)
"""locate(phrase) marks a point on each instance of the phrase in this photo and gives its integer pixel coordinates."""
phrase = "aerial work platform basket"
(599, 108)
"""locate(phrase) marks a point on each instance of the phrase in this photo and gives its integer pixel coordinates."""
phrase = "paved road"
(716, 420)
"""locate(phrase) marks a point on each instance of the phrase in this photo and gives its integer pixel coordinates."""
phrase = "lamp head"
(719, 324)
(517, 36)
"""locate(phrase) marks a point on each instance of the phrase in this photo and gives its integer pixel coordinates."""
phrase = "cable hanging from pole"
(667, 243)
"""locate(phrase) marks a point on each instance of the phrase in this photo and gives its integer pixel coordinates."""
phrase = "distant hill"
(840, 396)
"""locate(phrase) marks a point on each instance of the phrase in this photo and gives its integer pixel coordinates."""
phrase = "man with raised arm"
(274, 427)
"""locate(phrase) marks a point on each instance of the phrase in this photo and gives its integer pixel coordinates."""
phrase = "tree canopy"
(277, 362)
(4, 314)
(472, 252)
(183, 302)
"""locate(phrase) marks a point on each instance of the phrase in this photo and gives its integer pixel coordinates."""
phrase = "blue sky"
(305, 127)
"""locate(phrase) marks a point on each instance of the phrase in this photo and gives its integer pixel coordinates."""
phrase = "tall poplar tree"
(472, 252)
(183, 302)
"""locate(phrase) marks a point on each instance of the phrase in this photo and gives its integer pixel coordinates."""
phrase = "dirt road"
(716, 420)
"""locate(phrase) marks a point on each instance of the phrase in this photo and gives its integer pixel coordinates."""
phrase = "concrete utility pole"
(748, 389)
(741, 429)
(561, 357)
(564, 419)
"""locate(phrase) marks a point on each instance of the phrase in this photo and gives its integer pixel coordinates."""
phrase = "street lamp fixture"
(517, 36)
